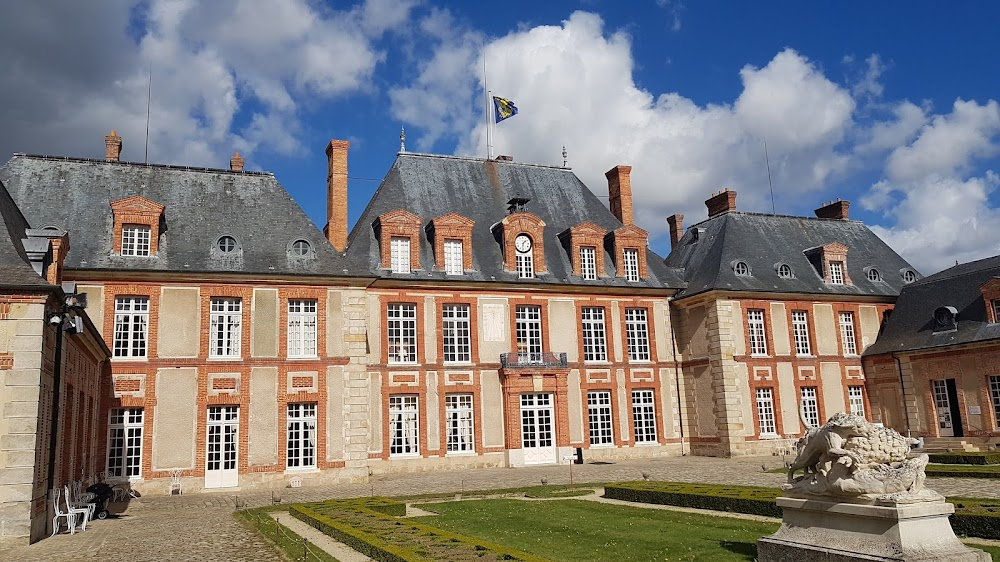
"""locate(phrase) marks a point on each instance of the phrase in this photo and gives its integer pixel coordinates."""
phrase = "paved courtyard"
(201, 527)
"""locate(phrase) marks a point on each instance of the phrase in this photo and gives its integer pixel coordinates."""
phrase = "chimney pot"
(620, 193)
(336, 194)
(721, 202)
(236, 163)
(676, 224)
(113, 147)
(504, 158)
(837, 210)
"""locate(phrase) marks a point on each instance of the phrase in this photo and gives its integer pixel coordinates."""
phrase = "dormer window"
(909, 276)
(785, 271)
(400, 259)
(226, 244)
(741, 269)
(873, 275)
(525, 263)
(451, 237)
(135, 240)
(991, 297)
(836, 273)
(585, 244)
(453, 262)
(588, 262)
(398, 233)
(522, 234)
(945, 319)
(630, 256)
(830, 261)
(300, 249)
(995, 305)
(628, 245)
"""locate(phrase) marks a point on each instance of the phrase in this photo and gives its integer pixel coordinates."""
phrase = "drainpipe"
(56, 384)
(902, 388)
(677, 381)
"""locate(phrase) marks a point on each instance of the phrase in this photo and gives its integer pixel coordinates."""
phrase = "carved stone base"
(821, 531)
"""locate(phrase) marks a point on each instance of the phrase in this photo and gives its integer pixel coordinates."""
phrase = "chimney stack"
(336, 194)
(620, 193)
(676, 224)
(721, 203)
(236, 163)
(113, 146)
(834, 210)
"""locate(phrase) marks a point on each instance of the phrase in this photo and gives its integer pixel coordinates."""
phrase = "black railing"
(532, 360)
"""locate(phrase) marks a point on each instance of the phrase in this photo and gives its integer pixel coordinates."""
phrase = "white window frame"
(456, 333)
(630, 261)
(301, 436)
(131, 327)
(856, 400)
(226, 332)
(874, 275)
(454, 257)
(836, 273)
(800, 332)
(741, 269)
(399, 252)
(125, 424)
(404, 425)
(809, 397)
(588, 262)
(847, 335)
(765, 412)
(525, 263)
(637, 335)
(996, 310)
(644, 415)
(302, 327)
(401, 327)
(460, 421)
(528, 328)
(595, 346)
(995, 396)
(909, 276)
(599, 418)
(136, 239)
(785, 272)
(757, 330)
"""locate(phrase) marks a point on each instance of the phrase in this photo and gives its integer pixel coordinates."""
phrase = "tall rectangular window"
(125, 443)
(847, 333)
(588, 262)
(995, 395)
(403, 425)
(455, 333)
(594, 344)
(765, 412)
(131, 326)
(399, 251)
(644, 416)
(996, 309)
(401, 323)
(453, 257)
(525, 265)
(226, 331)
(300, 430)
(810, 406)
(837, 272)
(856, 398)
(800, 330)
(135, 240)
(755, 329)
(458, 416)
(528, 320)
(630, 259)
(637, 334)
(599, 416)
(302, 328)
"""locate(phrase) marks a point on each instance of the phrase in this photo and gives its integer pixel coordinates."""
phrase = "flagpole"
(489, 146)
(490, 128)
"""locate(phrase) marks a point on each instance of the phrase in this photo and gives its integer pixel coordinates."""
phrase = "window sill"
(304, 357)
(130, 359)
(759, 356)
(458, 364)
(460, 454)
(225, 358)
(769, 436)
(414, 364)
(302, 470)
(647, 443)
(604, 363)
(404, 456)
(604, 446)
(641, 362)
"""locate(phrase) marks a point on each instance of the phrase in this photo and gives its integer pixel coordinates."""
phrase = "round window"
(909, 276)
(742, 269)
(227, 244)
(874, 275)
(300, 248)
(784, 271)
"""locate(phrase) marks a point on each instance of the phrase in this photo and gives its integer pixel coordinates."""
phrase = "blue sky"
(888, 105)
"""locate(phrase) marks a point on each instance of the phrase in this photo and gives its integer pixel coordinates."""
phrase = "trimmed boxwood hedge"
(983, 457)
(974, 517)
(964, 470)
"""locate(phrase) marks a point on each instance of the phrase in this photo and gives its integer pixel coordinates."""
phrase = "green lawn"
(582, 530)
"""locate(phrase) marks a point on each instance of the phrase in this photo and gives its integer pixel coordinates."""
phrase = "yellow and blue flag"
(503, 108)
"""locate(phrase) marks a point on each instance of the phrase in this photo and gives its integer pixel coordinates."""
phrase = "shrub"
(737, 499)
(984, 457)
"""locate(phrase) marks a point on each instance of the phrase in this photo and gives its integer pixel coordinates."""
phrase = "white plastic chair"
(79, 510)
(68, 516)
(82, 498)
(175, 482)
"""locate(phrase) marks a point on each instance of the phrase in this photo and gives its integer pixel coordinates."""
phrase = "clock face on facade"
(522, 243)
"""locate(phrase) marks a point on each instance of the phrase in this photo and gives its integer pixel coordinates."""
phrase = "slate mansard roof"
(431, 186)
(200, 206)
(911, 326)
(15, 268)
(708, 251)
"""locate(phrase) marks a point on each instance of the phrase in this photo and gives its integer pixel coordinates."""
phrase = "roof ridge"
(141, 164)
(780, 216)
(975, 270)
(477, 159)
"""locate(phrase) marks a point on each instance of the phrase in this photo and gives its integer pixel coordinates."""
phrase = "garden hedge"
(964, 470)
(983, 457)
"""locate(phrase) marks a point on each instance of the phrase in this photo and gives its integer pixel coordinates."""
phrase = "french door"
(537, 431)
(942, 404)
(222, 447)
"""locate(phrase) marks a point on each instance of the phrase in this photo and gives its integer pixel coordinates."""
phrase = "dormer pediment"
(587, 229)
(452, 220)
(521, 221)
(630, 231)
(991, 286)
(398, 218)
(137, 205)
(834, 248)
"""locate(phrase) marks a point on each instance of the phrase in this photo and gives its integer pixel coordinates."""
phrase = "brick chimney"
(236, 163)
(676, 224)
(834, 210)
(113, 146)
(620, 193)
(721, 202)
(336, 194)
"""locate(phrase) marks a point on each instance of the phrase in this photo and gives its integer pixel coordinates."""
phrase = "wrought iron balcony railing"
(532, 360)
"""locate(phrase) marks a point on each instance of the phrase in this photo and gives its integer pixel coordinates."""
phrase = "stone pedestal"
(822, 531)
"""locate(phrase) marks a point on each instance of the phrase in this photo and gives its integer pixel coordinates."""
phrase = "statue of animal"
(822, 446)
